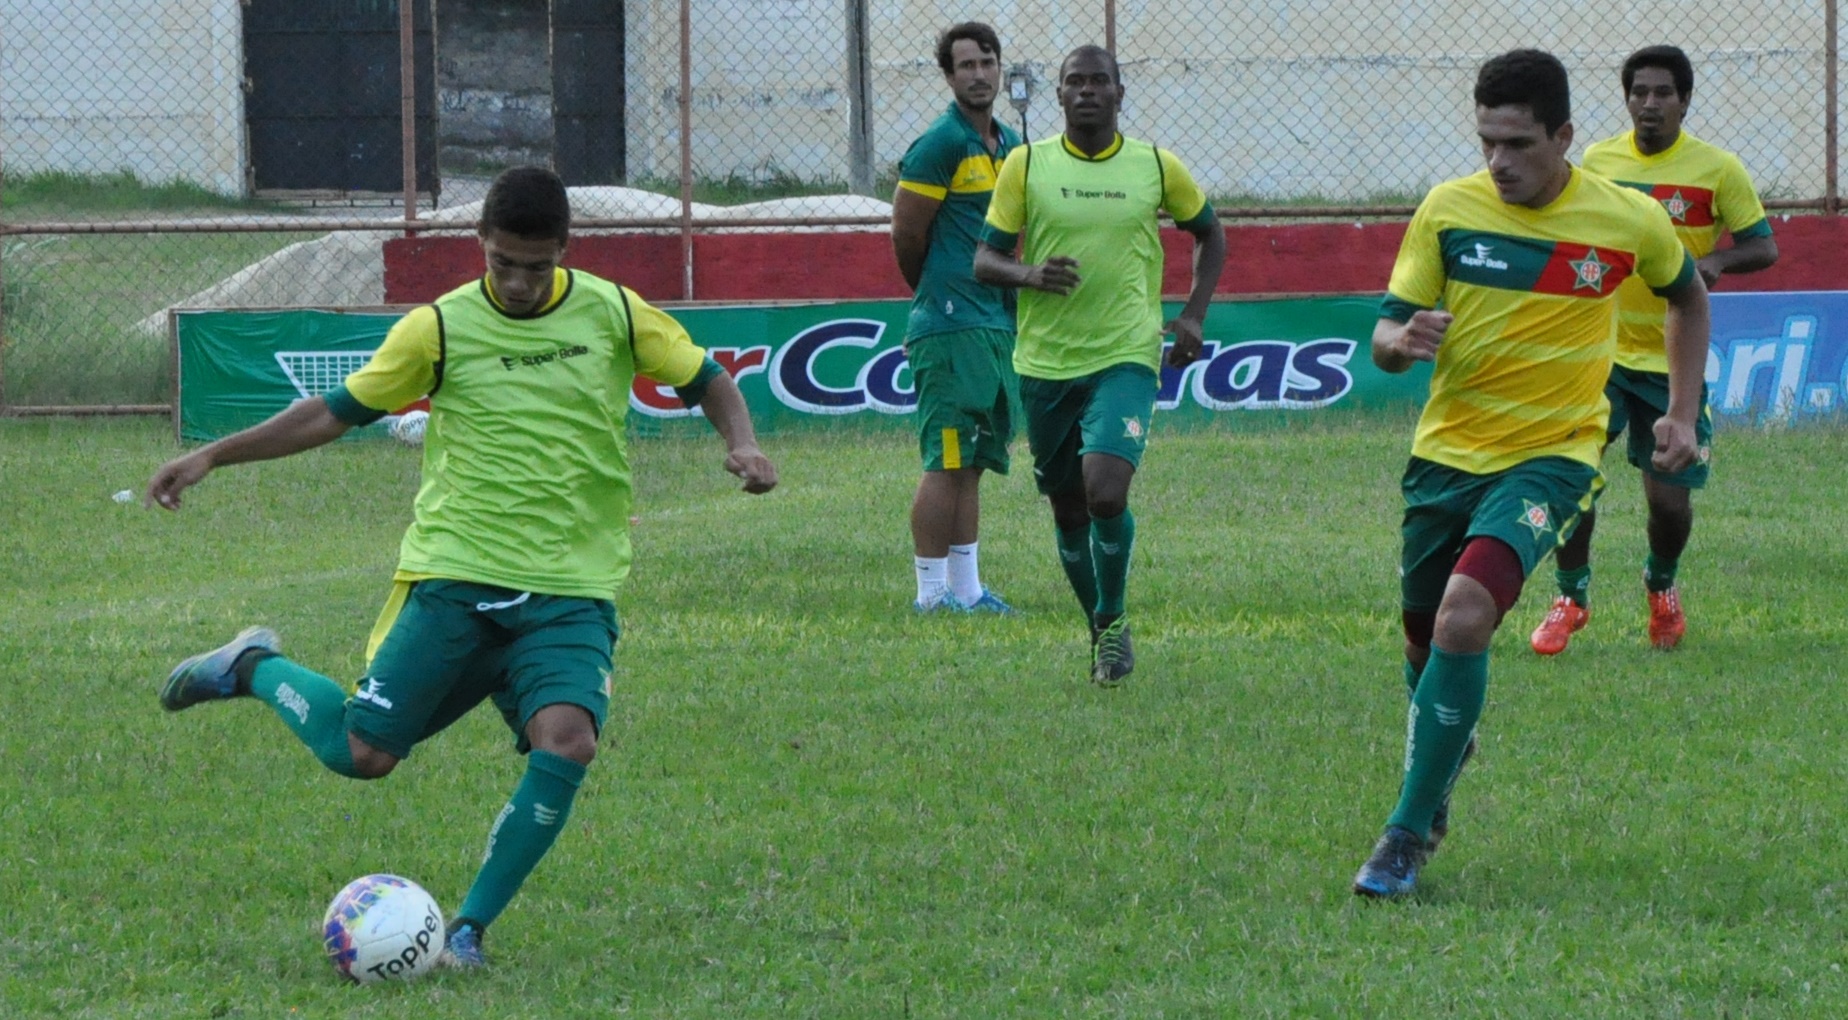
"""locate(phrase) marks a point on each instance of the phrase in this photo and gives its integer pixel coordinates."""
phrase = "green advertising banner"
(239, 366)
(808, 365)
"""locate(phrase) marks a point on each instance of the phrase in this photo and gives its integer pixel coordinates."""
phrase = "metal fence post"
(407, 87)
(1831, 194)
(686, 147)
(859, 103)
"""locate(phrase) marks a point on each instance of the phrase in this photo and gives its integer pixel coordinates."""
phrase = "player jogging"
(960, 338)
(1705, 190)
(1082, 208)
(1525, 259)
(520, 533)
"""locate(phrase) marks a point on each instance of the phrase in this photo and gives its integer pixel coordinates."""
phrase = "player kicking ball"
(520, 535)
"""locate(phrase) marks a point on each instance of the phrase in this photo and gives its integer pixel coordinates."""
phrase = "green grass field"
(811, 803)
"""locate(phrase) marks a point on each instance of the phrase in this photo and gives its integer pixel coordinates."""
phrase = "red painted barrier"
(1307, 258)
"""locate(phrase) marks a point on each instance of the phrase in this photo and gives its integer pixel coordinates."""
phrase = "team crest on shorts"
(1132, 429)
(1534, 515)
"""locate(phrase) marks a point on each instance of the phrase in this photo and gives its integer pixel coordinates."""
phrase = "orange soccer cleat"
(1563, 620)
(1666, 621)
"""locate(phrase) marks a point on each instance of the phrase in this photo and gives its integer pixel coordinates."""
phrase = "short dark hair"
(1668, 58)
(1531, 78)
(982, 35)
(1116, 70)
(527, 201)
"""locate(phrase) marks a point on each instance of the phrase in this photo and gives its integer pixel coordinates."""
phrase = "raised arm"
(1747, 256)
(1397, 346)
(997, 268)
(303, 425)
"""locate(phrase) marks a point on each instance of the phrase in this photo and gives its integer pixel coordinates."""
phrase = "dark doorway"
(325, 104)
(588, 91)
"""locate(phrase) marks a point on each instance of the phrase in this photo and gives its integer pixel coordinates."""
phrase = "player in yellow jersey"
(1082, 206)
(1705, 191)
(1507, 281)
(519, 538)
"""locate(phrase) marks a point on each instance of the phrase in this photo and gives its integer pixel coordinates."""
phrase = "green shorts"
(1104, 412)
(1532, 507)
(455, 644)
(966, 394)
(1637, 399)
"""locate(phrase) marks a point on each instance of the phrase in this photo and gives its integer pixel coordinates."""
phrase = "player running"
(1705, 190)
(1525, 260)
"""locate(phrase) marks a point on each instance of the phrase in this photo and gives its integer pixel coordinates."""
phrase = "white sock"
(933, 577)
(965, 574)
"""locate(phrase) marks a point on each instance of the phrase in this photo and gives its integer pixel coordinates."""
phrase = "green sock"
(1575, 584)
(522, 834)
(1659, 573)
(1080, 570)
(1111, 542)
(313, 706)
(1442, 717)
(1411, 679)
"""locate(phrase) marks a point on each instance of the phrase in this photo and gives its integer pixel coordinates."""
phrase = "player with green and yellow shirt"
(1507, 281)
(520, 533)
(960, 335)
(1082, 209)
(1705, 191)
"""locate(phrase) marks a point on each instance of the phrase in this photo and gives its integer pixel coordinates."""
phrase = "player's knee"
(1107, 507)
(369, 762)
(577, 744)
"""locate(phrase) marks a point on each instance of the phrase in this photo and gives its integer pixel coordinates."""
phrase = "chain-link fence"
(161, 153)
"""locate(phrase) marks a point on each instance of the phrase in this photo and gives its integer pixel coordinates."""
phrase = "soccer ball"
(409, 427)
(383, 928)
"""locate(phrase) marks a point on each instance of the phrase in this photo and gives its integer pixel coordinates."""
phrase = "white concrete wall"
(1276, 99)
(150, 86)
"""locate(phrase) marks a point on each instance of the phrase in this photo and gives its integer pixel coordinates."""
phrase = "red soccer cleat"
(1565, 619)
(1666, 621)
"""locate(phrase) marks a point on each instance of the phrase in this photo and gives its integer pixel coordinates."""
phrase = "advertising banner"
(841, 364)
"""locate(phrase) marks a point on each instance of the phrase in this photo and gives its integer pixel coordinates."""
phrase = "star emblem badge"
(1677, 207)
(1536, 518)
(1590, 271)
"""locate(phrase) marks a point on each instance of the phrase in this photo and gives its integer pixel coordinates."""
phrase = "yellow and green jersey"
(1100, 210)
(950, 162)
(525, 468)
(1704, 189)
(1521, 371)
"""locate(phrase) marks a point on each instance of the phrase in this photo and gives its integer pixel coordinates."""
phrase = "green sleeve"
(348, 409)
(695, 390)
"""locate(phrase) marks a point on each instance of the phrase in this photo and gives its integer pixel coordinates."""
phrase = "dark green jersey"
(950, 162)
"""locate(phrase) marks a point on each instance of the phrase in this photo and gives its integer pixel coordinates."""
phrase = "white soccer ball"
(409, 428)
(383, 928)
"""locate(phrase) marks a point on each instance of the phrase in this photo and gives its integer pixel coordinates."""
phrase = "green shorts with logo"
(455, 644)
(1532, 506)
(1104, 412)
(1637, 399)
(966, 395)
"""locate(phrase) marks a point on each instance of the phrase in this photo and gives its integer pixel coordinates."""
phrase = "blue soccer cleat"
(462, 948)
(942, 602)
(209, 676)
(1392, 871)
(989, 602)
